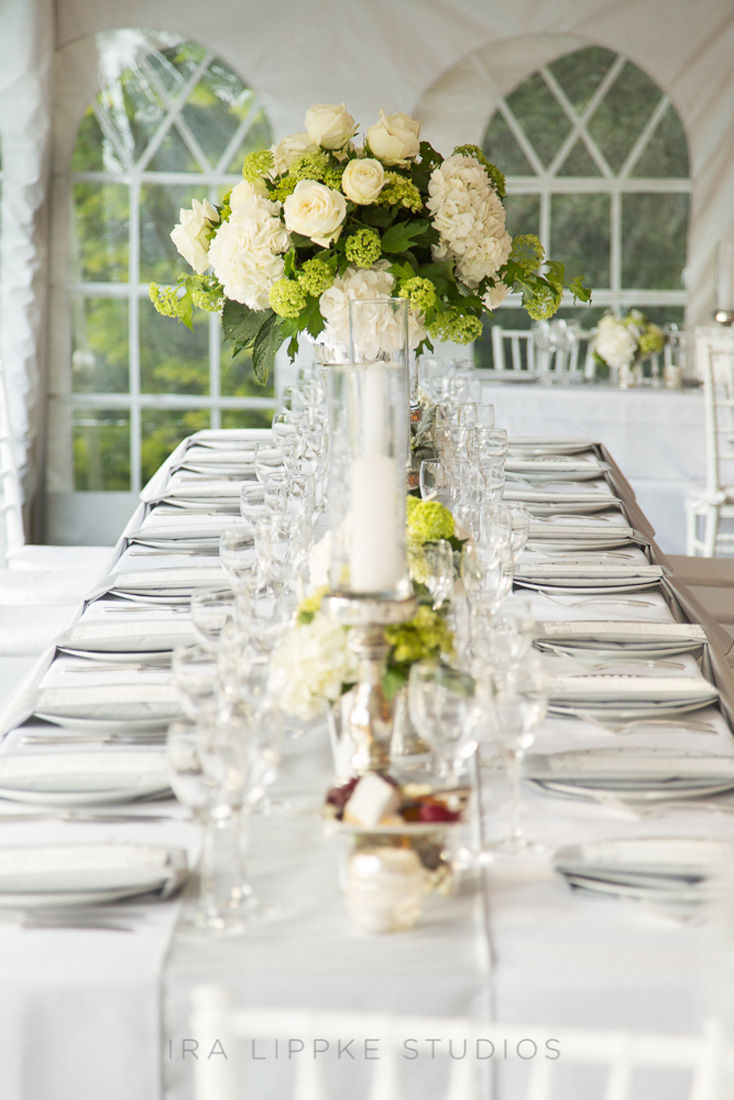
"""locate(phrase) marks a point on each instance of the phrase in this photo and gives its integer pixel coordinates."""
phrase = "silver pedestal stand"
(370, 719)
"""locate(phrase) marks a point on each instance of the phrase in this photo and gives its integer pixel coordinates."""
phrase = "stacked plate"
(124, 641)
(591, 577)
(560, 468)
(173, 585)
(72, 779)
(666, 872)
(540, 445)
(109, 707)
(87, 874)
(621, 639)
(555, 534)
(617, 698)
(630, 774)
(566, 498)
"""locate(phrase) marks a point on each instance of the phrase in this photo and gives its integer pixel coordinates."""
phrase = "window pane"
(500, 146)
(159, 211)
(101, 444)
(247, 418)
(259, 136)
(666, 153)
(580, 235)
(654, 240)
(579, 162)
(523, 214)
(173, 359)
(101, 215)
(540, 115)
(99, 345)
(580, 73)
(93, 151)
(237, 379)
(212, 110)
(163, 430)
(622, 114)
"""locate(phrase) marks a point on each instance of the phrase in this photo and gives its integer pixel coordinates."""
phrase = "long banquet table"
(91, 1013)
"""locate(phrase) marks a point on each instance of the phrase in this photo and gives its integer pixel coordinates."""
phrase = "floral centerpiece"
(319, 219)
(620, 342)
(314, 664)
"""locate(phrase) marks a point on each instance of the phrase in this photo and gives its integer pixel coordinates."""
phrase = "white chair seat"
(707, 507)
(26, 588)
(26, 631)
(94, 561)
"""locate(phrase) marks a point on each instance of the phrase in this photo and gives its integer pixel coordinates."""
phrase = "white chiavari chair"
(568, 1063)
(705, 511)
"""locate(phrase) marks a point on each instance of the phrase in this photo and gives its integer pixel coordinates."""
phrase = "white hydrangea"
(470, 218)
(379, 333)
(310, 666)
(496, 295)
(614, 342)
(246, 253)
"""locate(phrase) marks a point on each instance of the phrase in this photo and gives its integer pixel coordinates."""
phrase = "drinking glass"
(211, 609)
(268, 457)
(432, 564)
(491, 443)
(517, 705)
(434, 481)
(237, 552)
(487, 573)
(252, 502)
(445, 708)
(196, 679)
(520, 523)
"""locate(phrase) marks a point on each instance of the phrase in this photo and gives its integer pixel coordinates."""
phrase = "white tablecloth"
(656, 438)
(79, 1010)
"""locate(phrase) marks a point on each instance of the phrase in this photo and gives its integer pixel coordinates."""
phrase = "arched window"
(173, 123)
(596, 160)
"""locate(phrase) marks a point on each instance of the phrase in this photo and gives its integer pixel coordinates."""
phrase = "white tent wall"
(445, 61)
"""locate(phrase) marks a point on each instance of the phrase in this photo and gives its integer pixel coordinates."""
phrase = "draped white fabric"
(446, 61)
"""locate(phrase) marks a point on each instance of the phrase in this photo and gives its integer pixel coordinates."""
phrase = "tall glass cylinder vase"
(369, 440)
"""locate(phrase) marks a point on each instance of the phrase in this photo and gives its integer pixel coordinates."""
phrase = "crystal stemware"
(445, 708)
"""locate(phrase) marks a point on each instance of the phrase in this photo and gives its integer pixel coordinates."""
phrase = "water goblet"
(196, 679)
(211, 609)
(491, 443)
(432, 564)
(267, 457)
(237, 552)
(446, 710)
(252, 503)
(520, 524)
(517, 706)
(434, 481)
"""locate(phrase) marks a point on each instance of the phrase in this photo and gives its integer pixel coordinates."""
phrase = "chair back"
(11, 504)
(458, 1056)
(512, 349)
(718, 388)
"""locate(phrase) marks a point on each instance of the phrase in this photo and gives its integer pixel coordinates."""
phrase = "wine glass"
(211, 610)
(196, 679)
(518, 704)
(520, 527)
(487, 573)
(432, 564)
(237, 552)
(268, 457)
(445, 708)
(434, 481)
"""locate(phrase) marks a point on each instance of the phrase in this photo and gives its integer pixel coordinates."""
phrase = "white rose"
(315, 211)
(395, 139)
(496, 295)
(330, 126)
(290, 147)
(245, 194)
(190, 236)
(363, 180)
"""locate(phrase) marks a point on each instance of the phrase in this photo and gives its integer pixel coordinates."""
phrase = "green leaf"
(240, 324)
(377, 216)
(266, 344)
(399, 236)
(581, 292)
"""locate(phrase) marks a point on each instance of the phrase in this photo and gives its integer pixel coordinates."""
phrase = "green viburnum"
(498, 180)
(283, 188)
(399, 191)
(456, 326)
(333, 176)
(426, 636)
(287, 297)
(421, 293)
(542, 302)
(166, 301)
(310, 166)
(428, 520)
(256, 165)
(363, 248)
(315, 276)
(210, 298)
(652, 340)
(527, 252)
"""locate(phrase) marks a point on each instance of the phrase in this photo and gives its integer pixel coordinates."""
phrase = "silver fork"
(598, 599)
(694, 725)
(618, 662)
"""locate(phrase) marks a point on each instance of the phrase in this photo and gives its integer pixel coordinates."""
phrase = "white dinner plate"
(152, 656)
(59, 875)
(660, 868)
(537, 445)
(83, 778)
